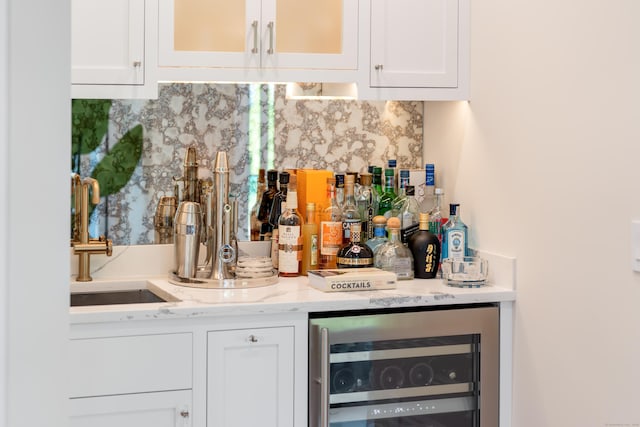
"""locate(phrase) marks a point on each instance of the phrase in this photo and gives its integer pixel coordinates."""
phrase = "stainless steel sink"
(111, 293)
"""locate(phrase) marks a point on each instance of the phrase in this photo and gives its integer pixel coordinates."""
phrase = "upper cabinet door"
(414, 43)
(258, 34)
(107, 42)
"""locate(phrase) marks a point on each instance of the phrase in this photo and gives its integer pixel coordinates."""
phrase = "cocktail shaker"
(187, 226)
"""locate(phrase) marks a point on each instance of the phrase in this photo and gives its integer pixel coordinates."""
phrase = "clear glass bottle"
(366, 201)
(350, 213)
(385, 205)
(290, 237)
(393, 255)
(379, 233)
(402, 195)
(310, 241)
(266, 203)
(254, 222)
(330, 228)
(409, 214)
(392, 164)
(454, 235)
(425, 193)
(435, 216)
(355, 254)
(340, 189)
(425, 248)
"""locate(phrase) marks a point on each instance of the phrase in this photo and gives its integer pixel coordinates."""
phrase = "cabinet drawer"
(131, 364)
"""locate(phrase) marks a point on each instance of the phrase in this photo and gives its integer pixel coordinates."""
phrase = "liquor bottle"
(425, 192)
(379, 233)
(435, 216)
(290, 236)
(274, 216)
(377, 181)
(409, 214)
(266, 203)
(310, 241)
(393, 255)
(454, 235)
(402, 195)
(366, 201)
(330, 228)
(355, 254)
(340, 189)
(356, 183)
(425, 248)
(391, 164)
(256, 224)
(350, 213)
(388, 196)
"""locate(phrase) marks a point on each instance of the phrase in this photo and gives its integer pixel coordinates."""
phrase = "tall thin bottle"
(330, 229)
(435, 216)
(385, 205)
(266, 203)
(310, 241)
(340, 181)
(279, 201)
(366, 201)
(290, 236)
(425, 193)
(256, 224)
(350, 213)
(425, 248)
(454, 235)
(377, 181)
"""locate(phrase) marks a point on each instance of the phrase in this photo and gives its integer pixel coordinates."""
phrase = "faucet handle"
(108, 243)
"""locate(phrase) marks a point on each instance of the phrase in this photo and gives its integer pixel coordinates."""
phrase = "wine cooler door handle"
(324, 377)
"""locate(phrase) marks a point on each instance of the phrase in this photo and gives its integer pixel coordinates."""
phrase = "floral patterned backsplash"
(258, 127)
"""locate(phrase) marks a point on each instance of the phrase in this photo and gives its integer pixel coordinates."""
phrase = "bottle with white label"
(454, 235)
(290, 238)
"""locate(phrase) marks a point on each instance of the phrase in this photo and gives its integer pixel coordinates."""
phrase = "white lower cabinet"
(163, 409)
(250, 377)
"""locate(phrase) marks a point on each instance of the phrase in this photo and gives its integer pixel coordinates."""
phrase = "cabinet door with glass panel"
(258, 34)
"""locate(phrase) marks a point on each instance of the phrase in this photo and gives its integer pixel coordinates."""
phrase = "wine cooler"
(431, 368)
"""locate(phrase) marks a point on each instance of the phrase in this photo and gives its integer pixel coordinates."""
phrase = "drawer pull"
(184, 414)
(253, 338)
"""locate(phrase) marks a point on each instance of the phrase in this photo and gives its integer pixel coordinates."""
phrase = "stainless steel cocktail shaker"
(187, 226)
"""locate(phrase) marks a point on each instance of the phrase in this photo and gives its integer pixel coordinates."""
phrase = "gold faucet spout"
(83, 246)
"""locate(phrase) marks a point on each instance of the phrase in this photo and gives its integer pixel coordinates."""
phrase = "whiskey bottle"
(355, 254)
(393, 255)
(310, 241)
(425, 248)
(330, 228)
(290, 237)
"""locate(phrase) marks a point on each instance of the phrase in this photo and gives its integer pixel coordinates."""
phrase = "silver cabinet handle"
(324, 377)
(378, 67)
(270, 26)
(254, 25)
(253, 338)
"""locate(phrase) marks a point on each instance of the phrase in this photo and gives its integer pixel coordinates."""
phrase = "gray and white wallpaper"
(258, 127)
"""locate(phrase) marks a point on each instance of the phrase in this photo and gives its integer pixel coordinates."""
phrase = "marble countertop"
(288, 295)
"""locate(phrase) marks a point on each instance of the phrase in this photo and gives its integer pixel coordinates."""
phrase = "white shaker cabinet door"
(414, 43)
(165, 409)
(107, 42)
(250, 377)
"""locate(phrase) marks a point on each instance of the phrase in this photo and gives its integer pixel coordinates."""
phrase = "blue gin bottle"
(454, 235)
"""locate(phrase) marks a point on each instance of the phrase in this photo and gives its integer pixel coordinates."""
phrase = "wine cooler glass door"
(404, 369)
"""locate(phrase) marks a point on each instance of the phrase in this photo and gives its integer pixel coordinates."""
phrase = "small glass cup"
(467, 272)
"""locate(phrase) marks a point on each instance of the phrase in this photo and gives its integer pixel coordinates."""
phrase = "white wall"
(34, 221)
(544, 160)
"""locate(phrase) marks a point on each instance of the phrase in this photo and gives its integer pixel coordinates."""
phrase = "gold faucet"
(83, 246)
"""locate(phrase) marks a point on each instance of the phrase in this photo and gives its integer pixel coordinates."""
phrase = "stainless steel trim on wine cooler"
(433, 367)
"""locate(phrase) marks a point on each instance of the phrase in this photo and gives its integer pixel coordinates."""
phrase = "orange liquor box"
(312, 187)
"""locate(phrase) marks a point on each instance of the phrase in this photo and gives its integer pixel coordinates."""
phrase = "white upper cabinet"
(259, 34)
(108, 57)
(419, 49)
